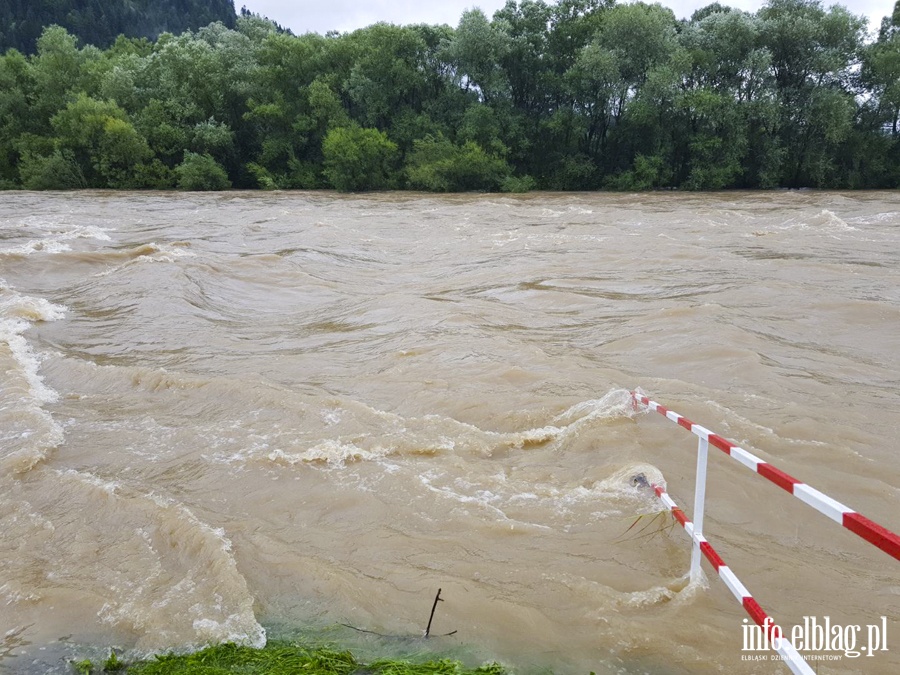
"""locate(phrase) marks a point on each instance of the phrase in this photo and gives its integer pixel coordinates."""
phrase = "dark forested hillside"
(567, 95)
(99, 22)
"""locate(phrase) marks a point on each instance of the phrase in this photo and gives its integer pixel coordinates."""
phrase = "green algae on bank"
(283, 658)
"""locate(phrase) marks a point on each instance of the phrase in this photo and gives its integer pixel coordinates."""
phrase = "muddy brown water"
(230, 416)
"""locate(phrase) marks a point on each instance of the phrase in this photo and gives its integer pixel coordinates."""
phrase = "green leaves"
(475, 51)
(201, 173)
(358, 159)
(438, 165)
(102, 22)
(56, 171)
(102, 141)
(121, 149)
(576, 93)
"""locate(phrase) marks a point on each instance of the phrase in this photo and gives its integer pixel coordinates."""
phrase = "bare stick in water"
(437, 599)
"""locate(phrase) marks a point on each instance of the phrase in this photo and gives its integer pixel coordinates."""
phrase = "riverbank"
(279, 658)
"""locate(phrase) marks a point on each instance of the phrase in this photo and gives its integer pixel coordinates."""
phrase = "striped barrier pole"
(699, 505)
(872, 532)
(774, 634)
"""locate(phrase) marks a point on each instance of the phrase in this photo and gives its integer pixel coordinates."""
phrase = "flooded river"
(239, 416)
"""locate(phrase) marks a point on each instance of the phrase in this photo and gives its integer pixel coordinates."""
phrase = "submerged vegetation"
(280, 658)
(572, 95)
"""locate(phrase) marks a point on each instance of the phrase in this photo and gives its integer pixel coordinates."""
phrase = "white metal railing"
(885, 539)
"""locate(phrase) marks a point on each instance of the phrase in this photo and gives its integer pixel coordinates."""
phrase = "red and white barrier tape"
(883, 538)
(782, 645)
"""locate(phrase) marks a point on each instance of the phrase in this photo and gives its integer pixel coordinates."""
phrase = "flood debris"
(427, 634)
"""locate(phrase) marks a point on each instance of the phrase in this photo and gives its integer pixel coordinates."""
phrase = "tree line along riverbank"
(574, 95)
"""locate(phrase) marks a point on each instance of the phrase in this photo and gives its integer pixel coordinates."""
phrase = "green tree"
(56, 171)
(122, 150)
(162, 123)
(201, 173)
(725, 98)
(388, 76)
(102, 140)
(524, 28)
(99, 22)
(475, 51)
(579, 94)
(16, 88)
(872, 153)
(358, 159)
(815, 54)
(598, 93)
(437, 165)
(881, 71)
(59, 73)
(624, 82)
(290, 111)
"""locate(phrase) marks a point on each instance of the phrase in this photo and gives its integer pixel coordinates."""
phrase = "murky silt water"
(226, 415)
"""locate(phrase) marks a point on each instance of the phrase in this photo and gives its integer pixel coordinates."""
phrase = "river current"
(243, 415)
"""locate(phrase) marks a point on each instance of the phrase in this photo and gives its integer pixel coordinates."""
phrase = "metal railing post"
(843, 515)
(875, 534)
(699, 501)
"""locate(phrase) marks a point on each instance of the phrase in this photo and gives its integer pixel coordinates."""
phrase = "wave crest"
(29, 432)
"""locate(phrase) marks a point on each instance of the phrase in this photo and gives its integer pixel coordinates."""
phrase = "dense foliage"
(100, 22)
(576, 95)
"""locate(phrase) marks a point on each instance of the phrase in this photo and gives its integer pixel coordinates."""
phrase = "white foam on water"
(36, 246)
(877, 218)
(337, 453)
(176, 580)
(169, 253)
(16, 596)
(148, 253)
(16, 306)
(743, 421)
(55, 241)
(30, 431)
(825, 221)
(365, 435)
(482, 499)
(232, 629)
(835, 221)
(89, 232)
(546, 503)
(677, 591)
(615, 404)
(619, 485)
(22, 527)
(331, 452)
(681, 590)
(387, 434)
(331, 417)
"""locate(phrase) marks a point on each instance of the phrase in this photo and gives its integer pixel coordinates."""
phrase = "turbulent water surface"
(226, 417)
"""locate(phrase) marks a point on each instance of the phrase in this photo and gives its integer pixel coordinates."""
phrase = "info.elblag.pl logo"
(818, 635)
